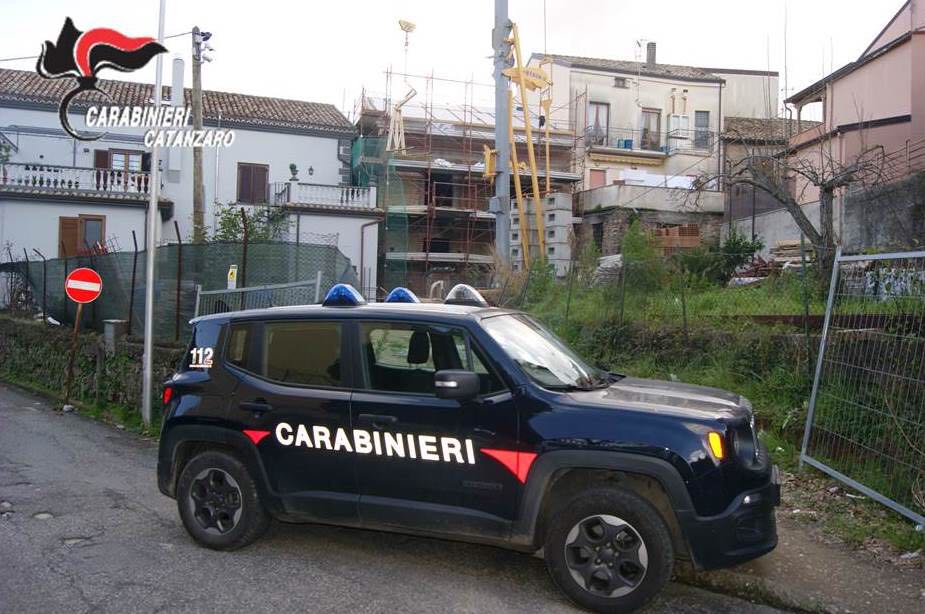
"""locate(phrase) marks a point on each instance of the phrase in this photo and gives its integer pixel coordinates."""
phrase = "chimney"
(650, 54)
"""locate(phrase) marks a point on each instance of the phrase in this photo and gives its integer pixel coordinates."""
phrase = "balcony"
(650, 142)
(344, 198)
(39, 179)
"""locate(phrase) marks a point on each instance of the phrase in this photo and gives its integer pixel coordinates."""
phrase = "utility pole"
(147, 386)
(501, 203)
(199, 213)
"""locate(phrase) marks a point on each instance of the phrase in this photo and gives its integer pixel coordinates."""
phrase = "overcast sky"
(327, 51)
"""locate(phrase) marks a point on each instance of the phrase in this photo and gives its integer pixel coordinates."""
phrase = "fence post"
(28, 279)
(131, 294)
(196, 308)
(44, 286)
(243, 256)
(9, 253)
(684, 305)
(176, 311)
(809, 343)
(825, 329)
(64, 252)
(318, 286)
(623, 288)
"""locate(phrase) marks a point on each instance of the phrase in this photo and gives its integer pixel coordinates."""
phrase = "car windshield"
(543, 356)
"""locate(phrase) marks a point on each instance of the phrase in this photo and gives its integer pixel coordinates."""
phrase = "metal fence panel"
(258, 297)
(866, 419)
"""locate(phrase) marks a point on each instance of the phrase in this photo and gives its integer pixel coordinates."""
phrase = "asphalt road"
(83, 528)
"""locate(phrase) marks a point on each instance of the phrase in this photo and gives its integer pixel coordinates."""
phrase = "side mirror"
(456, 384)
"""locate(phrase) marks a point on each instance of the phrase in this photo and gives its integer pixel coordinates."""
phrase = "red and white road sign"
(83, 285)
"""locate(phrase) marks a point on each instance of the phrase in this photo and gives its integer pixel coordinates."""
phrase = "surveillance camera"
(206, 58)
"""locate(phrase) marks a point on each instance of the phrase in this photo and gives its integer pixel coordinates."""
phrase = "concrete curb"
(749, 587)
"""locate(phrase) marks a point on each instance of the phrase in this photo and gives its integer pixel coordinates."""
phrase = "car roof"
(390, 311)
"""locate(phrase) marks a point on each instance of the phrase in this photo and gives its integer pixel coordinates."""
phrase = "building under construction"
(432, 165)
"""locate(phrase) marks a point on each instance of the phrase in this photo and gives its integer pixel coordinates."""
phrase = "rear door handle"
(258, 406)
(378, 421)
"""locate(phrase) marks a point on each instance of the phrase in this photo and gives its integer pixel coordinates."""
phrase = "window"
(515, 236)
(598, 177)
(651, 129)
(125, 160)
(551, 217)
(620, 82)
(78, 235)
(404, 357)
(253, 183)
(599, 122)
(305, 353)
(551, 251)
(597, 235)
(702, 138)
(238, 341)
(551, 234)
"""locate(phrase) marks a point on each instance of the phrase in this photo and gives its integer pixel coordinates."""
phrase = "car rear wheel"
(218, 502)
(609, 550)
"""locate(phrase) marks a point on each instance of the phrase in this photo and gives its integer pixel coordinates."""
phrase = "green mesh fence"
(205, 265)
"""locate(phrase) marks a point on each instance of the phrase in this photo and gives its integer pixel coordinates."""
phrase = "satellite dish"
(407, 26)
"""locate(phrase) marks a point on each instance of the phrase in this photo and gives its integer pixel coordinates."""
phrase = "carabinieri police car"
(462, 421)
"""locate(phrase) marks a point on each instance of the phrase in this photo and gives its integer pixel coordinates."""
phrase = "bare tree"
(768, 165)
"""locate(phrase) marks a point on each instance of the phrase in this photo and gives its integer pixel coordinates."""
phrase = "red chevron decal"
(516, 462)
(256, 436)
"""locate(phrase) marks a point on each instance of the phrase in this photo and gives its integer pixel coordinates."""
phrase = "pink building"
(879, 99)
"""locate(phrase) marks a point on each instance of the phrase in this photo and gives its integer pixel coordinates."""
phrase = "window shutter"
(245, 183)
(68, 232)
(261, 184)
(100, 158)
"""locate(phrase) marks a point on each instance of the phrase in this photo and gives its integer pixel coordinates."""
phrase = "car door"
(429, 471)
(295, 402)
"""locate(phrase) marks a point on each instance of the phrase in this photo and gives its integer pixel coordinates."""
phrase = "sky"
(326, 51)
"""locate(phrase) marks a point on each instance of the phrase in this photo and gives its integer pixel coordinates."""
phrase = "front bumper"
(746, 530)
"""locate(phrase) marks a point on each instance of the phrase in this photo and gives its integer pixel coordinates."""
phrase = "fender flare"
(547, 465)
(198, 433)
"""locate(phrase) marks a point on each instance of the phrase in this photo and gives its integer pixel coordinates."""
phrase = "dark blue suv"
(461, 421)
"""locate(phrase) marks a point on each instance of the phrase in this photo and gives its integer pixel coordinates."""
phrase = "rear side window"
(304, 353)
(199, 354)
(239, 337)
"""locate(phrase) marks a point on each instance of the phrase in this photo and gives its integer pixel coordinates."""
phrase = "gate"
(866, 420)
(258, 297)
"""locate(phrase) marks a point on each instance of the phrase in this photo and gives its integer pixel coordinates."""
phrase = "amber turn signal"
(716, 445)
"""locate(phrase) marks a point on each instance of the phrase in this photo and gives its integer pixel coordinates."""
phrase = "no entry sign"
(83, 285)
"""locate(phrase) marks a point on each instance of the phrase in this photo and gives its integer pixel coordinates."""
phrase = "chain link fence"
(37, 285)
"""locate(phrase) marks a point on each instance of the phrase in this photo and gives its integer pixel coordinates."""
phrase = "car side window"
(305, 353)
(238, 344)
(403, 357)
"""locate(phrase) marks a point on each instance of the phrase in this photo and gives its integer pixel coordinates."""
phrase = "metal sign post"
(151, 245)
(81, 286)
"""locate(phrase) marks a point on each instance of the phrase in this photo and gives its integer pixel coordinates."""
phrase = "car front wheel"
(609, 550)
(219, 503)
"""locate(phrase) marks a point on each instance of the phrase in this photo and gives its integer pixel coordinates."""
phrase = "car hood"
(675, 398)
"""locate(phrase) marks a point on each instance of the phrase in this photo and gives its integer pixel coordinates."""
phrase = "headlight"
(745, 443)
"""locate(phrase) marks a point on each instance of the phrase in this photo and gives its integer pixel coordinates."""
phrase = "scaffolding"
(434, 189)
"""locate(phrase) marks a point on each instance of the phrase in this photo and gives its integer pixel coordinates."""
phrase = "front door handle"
(483, 432)
(258, 407)
(378, 421)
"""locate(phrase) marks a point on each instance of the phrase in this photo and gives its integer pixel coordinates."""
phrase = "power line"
(33, 57)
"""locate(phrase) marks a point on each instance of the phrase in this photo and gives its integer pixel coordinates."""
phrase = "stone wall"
(889, 217)
(614, 223)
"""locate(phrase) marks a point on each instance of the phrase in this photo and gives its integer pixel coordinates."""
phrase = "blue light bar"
(343, 295)
(463, 294)
(402, 295)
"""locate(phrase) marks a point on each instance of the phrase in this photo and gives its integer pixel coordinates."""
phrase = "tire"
(218, 502)
(634, 555)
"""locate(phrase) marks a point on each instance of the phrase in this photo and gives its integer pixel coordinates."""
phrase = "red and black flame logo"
(81, 55)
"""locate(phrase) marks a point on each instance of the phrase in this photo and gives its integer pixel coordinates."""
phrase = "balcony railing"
(61, 179)
(643, 140)
(350, 197)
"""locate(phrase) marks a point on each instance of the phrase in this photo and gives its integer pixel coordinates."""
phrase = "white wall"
(747, 95)
(347, 231)
(273, 149)
(33, 224)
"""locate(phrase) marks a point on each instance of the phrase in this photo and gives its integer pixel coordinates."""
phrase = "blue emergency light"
(343, 295)
(402, 295)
